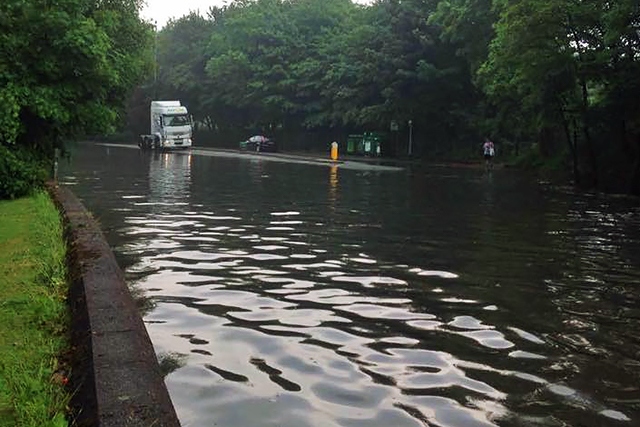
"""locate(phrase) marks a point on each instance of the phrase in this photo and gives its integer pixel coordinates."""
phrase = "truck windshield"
(176, 120)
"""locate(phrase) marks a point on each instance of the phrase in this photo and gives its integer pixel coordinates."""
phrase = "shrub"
(20, 172)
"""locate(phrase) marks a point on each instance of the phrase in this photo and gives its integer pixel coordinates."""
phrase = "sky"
(161, 10)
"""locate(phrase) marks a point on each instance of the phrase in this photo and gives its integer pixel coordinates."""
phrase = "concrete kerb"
(115, 372)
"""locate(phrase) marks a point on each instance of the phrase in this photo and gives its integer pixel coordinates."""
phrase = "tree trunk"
(591, 152)
(573, 146)
(634, 187)
(584, 107)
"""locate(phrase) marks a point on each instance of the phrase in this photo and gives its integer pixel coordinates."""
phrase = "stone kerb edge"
(116, 374)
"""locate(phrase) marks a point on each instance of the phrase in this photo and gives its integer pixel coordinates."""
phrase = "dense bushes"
(20, 172)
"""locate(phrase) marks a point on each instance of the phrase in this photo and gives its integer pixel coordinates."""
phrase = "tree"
(66, 69)
(562, 63)
(265, 59)
(181, 47)
(468, 26)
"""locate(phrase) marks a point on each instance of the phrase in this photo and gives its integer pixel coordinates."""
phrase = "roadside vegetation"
(556, 85)
(67, 69)
(33, 314)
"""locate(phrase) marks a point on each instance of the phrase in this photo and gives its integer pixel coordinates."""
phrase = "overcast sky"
(161, 10)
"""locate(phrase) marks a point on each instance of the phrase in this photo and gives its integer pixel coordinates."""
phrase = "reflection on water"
(169, 177)
(426, 297)
(333, 186)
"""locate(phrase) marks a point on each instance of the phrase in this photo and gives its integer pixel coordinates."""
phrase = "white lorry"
(171, 127)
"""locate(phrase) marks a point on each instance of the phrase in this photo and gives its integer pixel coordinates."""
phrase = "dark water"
(303, 295)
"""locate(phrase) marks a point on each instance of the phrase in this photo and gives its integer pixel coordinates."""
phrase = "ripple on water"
(295, 317)
(489, 338)
(266, 257)
(287, 213)
(369, 281)
(520, 354)
(384, 312)
(468, 322)
(342, 400)
(342, 297)
(270, 247)
(194, 256)
(312, 266)
(435, 273)
(448, 412)
(526, 335)
(363, 260)
(303, 256)
(456, 300)
(425, 325)
(614, 415)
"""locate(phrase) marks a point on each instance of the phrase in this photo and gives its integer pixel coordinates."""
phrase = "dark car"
(258, 143)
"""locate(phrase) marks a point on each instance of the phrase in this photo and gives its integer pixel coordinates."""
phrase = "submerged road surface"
(279, 293)
(276, 157)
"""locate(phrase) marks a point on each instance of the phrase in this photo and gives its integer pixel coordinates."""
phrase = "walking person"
(488, 150)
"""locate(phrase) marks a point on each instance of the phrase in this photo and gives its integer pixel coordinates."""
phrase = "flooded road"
(291, 294)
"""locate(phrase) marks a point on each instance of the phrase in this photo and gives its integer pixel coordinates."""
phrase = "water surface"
(286, 294)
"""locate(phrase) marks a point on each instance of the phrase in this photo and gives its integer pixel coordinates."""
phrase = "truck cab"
(171, 126)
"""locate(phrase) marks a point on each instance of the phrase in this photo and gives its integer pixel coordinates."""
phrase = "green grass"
(33, 313)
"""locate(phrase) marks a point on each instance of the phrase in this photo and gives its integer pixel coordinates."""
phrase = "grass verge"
(33, 313)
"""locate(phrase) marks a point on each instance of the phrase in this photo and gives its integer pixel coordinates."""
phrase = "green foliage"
(181, 58)
(67, 68)
(560, 68)
(468, 26)
(261, 56)
(9, 113)
(21, 171)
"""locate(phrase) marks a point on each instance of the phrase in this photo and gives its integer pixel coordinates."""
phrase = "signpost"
(410, 137)
(394, 127)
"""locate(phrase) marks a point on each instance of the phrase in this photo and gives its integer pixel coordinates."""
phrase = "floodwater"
(292, 294)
